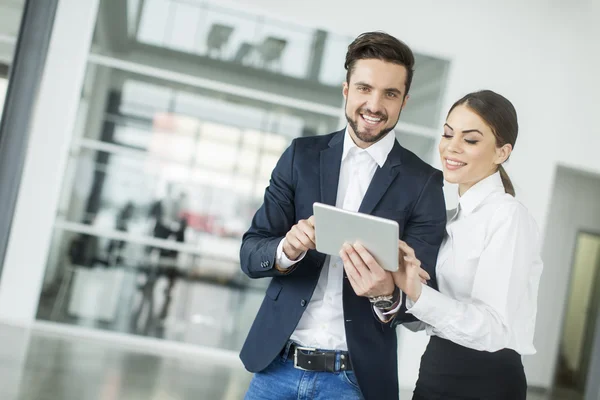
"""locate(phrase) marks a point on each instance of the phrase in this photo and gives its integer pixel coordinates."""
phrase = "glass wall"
(185, 110)
(10, 19)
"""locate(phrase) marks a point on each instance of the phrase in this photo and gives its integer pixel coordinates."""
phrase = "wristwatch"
(385, 301)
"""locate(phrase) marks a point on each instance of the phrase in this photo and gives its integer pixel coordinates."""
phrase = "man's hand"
(300, 238)
(410, 276)
(366, 276)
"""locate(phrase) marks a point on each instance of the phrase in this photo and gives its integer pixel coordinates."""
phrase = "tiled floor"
(37, 365)
(50, 367)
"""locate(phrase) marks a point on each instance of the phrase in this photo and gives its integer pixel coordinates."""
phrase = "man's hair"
(381, 46)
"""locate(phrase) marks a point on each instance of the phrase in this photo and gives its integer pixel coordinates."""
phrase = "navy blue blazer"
(405, 189)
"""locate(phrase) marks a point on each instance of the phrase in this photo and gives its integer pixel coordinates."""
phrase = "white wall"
(542, 55)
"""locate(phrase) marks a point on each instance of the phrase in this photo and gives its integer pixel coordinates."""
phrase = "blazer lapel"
(330, 160)
(382, 180)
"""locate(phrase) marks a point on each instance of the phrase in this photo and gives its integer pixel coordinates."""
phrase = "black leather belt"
(309, 359)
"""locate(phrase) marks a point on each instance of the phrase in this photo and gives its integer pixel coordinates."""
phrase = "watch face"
(383, 304)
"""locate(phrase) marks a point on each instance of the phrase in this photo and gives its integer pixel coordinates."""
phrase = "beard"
(366, 136)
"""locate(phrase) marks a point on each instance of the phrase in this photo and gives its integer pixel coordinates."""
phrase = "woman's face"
(468, 149)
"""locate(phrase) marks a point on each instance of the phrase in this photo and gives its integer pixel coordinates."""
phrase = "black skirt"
(450, 372)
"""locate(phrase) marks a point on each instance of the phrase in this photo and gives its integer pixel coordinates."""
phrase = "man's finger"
(302, 237)
(369, 261)
(307, 229)
(295, 243)
(351, 271)
(344, 255)
(357, 261)
(306, 241)
(355, 285)
(311, 220)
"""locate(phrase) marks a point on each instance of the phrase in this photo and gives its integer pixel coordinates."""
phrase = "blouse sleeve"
(507, 268)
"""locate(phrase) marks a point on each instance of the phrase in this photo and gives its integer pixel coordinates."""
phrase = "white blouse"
(488, 272)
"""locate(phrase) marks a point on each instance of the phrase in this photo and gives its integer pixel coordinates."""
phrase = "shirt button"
(302, 303)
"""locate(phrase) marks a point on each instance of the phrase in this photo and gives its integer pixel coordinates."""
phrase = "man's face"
(374, 97)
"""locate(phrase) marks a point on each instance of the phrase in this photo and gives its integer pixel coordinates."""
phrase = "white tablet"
(335, 226)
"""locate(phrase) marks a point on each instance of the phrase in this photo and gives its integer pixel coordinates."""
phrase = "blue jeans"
(280, 381)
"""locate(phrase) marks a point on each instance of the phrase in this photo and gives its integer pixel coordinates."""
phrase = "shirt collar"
(478, 192)
(378, 151)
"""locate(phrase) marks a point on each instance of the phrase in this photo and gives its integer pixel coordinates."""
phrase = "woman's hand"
(410, 276)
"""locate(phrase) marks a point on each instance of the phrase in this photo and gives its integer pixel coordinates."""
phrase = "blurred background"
(138, 136)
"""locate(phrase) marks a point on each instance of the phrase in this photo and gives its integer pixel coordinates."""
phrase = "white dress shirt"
(488, 272)
(322, 324)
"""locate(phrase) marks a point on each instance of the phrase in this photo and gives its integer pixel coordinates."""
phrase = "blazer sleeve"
(271, 222)
(424, 232)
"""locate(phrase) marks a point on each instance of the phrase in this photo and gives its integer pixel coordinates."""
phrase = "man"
(314, 336)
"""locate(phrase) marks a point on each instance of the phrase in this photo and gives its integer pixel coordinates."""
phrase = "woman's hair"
(381, 46)
(500, 115)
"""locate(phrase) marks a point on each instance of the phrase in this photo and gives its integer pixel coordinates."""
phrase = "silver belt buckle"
(296, 348)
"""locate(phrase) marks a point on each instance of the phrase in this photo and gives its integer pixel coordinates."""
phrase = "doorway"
(581, 314)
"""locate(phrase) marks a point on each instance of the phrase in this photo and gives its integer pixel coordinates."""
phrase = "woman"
(488, 269)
